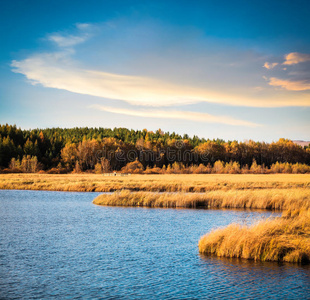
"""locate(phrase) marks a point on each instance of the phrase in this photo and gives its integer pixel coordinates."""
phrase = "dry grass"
(285, 238)
(276, 199)
(154, 183)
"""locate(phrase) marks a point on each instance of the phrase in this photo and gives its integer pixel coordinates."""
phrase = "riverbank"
(271, 199)
(153, 183)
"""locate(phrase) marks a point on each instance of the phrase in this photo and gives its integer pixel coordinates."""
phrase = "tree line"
(63, 150)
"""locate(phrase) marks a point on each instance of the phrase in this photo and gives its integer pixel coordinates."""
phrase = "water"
(59, 245)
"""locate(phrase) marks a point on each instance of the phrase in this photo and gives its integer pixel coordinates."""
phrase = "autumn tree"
(134, 167)
(69, 155)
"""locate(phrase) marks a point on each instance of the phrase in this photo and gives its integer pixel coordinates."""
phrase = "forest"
(101, 150)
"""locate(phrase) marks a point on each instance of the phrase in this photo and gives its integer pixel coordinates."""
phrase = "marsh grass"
(275, 199)
(285, 238)
(153, 183)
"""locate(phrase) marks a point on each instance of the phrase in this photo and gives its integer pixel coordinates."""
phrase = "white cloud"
(57, 70)
(294, 58)
(181, 115)
(269, 66)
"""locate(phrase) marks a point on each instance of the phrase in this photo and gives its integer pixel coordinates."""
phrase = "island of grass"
(285, 238)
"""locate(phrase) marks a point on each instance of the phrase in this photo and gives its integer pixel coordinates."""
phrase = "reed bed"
(275, 199)
(285, 238)
(153, 183)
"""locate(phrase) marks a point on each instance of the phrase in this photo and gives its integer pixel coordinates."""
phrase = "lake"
(60, 245)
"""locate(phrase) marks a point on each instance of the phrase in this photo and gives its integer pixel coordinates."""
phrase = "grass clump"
(149, 199)
(285, 238)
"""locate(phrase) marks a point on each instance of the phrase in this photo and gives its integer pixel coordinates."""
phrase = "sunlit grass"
(276, 199)
(285, 238)
(154, 183)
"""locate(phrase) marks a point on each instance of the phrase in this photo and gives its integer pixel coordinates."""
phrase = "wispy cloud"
(290, 85)
(64, 40)
(57, 70)
(269, 66)
(294, 58)
(181, 115)
(83, 26)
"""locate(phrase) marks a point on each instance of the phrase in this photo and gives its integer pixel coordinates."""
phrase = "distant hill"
(302, 143)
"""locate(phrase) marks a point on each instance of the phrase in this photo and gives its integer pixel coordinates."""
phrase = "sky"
(234, 70)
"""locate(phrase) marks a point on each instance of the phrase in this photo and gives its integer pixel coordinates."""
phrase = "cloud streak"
(180, 115)
(290, 85)
(64, 40)
(57, 70)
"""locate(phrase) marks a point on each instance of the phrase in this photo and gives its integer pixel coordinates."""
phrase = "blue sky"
(218, 69)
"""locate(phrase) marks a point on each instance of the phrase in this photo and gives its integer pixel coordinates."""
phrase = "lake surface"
(59, 245)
